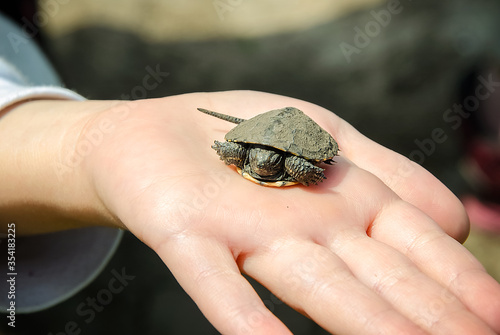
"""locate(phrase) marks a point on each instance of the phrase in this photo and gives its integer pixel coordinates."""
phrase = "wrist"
(43, 188)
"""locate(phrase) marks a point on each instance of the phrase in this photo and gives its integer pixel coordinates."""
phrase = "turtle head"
(265, 162)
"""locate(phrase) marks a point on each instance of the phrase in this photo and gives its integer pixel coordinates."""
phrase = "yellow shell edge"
(265, 183)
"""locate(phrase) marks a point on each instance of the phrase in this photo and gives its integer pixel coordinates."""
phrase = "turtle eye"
(275, 159)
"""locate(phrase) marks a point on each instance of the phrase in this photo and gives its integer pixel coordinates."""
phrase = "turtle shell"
(287, 129)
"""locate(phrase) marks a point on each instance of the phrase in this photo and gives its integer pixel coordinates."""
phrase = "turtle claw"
(329, 162)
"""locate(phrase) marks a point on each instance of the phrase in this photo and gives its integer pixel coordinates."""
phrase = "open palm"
(367, 251)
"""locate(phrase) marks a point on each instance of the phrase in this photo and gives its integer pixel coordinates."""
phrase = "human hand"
(366, 251)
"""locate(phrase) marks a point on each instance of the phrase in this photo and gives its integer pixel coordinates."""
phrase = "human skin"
(374, 248)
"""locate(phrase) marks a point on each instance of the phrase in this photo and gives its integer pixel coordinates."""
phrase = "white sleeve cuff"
(14, 88)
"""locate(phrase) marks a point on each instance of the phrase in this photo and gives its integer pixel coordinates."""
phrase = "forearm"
(41, 188)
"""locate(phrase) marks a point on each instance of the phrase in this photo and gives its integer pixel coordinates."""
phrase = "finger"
(408, 180)
(208, 273)
(441, 258)
(394, 277)
(313, 280)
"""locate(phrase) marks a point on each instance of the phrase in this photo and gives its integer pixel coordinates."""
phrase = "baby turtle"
(278, 148)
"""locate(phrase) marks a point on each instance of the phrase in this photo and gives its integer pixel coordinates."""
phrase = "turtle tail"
(222, 116)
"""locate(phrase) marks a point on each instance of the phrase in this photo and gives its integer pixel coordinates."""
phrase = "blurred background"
(393, 69)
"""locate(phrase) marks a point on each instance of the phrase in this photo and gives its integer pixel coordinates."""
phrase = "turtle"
(281, 147)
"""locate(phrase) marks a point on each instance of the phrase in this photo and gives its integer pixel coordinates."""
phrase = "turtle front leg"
(231, 153)
(303, 171)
